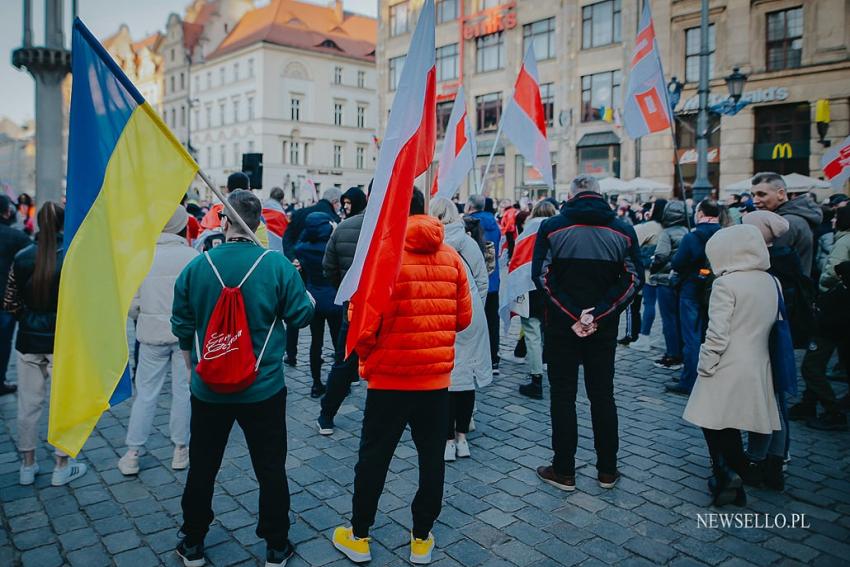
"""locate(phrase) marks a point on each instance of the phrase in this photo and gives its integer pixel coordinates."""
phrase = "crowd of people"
(738, 286)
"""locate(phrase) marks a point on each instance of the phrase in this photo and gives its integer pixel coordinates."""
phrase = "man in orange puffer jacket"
(407, 356)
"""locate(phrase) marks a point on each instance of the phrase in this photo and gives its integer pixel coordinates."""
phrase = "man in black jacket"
(12, 241)
(339, 255)
(588, 264)
(330, 204)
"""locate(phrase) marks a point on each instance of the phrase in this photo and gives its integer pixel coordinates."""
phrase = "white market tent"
(614, 185)
(642, 185)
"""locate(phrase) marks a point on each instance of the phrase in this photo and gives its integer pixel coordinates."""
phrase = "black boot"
(774, 478)
(533, 389)
(753, 474)
(803, 411)
(727, 486)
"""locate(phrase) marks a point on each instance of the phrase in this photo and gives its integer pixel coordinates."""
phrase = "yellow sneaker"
(355, 548)
(420, 549)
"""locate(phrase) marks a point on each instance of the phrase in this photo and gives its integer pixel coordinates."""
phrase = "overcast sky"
(103, 17)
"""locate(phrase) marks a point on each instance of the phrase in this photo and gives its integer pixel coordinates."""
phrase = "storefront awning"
(598, 139)
(484, 147)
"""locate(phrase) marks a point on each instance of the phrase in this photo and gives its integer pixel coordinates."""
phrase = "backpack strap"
(253, 267)
(265, 344)
(214, 269)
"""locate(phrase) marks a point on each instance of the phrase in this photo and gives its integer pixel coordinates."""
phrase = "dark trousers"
(692, 325)
(491, 311)
(343, 373)
(726, 448)
(814, 370)
(291, 343)
(317, 340)
(461, 405)
(7, 331)
(385, 416)
(596, 354)
(264, 425)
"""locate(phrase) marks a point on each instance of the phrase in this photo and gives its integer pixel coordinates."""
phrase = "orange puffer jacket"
(411, 346)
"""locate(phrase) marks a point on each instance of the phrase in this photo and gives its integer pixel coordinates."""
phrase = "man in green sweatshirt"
(274, 295)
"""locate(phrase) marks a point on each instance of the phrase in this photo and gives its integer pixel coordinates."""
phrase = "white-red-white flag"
(524, 121)
(645, 106)
(458, 156)
(513, 293)
(836, 164)
(407, 150)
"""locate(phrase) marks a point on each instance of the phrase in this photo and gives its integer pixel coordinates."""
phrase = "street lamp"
(702, 186)
(735, 84)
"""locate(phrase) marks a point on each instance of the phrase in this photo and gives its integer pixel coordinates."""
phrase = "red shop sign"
(489, 21)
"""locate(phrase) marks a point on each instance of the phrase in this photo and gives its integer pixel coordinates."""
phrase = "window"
(306, 154)
(361, 157)
(692, 49)
(542, 33)
(337, 155)
(250, 146)
(361, 79)
(784, 39)
(197, 84)
(221, 119)
(547, 97)
(444, 112)
(209, 116)
(446, 11)
(172, 54)
(399, 19)
(172, 84)
(485, 4)
(221, 76)
(182, 81)
(209, 156)
(396, 65)
(488, 108)
(173, 117)
(447, 62)
(337, 114)
(361, 116)
(295, 109)
(250, 68)
(250, 108)
(209, 79)
(221, 156)
(236, 110)
(236, 71)
(294, 153)
(196, 119)
(598, 91)
(778, 126)
(337, 75)
(601, 161)
(182, 115)
(600, 24)
(237, 157)
(490, 52)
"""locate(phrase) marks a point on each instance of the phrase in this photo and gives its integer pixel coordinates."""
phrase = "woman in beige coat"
(734, 387)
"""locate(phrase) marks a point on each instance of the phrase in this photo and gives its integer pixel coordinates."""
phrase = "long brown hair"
(51, 221)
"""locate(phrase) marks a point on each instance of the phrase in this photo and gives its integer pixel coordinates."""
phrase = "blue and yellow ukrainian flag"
(126, 174)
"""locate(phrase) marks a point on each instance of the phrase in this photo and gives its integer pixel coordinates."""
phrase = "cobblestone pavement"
(496, 512)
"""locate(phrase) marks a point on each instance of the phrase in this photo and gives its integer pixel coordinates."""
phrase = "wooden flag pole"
(231, 212)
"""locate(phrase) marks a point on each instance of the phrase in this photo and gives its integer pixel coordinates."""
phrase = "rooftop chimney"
(339, 13)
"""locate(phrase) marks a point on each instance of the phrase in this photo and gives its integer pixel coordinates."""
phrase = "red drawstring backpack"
(226, 361)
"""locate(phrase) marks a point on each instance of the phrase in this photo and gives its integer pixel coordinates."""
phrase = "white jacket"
(151, 306)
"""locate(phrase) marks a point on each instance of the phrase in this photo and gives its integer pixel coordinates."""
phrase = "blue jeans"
(7, 331)
(668, 305)
(650, 296)
(760, 445)
(692, 326)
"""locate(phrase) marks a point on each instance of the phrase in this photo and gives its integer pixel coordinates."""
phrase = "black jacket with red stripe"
(587, 257)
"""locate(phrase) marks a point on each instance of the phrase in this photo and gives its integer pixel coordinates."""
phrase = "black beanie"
(238, 180)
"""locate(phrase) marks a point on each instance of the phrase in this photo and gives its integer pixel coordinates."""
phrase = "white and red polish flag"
(836, 163)
(524, 121)
(645, 107)
(458, 156)
(513, 293)
(407, 150)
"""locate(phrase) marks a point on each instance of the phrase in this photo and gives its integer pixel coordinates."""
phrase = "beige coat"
(734, 387)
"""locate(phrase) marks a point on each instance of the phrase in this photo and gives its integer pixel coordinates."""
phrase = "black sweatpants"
(264, 425)
(291, 342)
(343, 373)
(595, 353)
(385, 417)
(491, 311)
(461, 405)
(317, 340)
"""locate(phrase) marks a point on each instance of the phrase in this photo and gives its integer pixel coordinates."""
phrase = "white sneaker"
(27, 474)
(70, 472)
(462, 448)
(450, 453)
(642, 344)
(129, 463)
(179, 461)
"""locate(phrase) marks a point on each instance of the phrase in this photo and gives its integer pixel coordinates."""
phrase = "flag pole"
(492, 153)
(231, 212)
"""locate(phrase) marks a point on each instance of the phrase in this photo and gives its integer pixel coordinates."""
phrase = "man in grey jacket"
(339, 255)
(771, 194)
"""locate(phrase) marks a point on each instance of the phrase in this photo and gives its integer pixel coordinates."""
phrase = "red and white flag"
(645, 107)
(458, 156)
(836, 164)
(407, 150)
(513, 293)
(524, 121)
